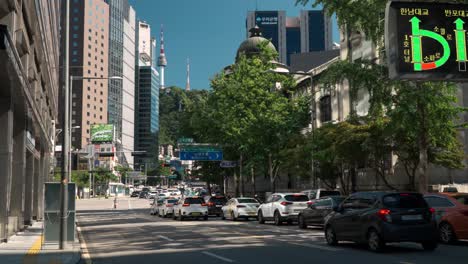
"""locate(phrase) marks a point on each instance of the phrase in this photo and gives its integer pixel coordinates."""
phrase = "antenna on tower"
(162, 61)
(187, 86)
(256, 5)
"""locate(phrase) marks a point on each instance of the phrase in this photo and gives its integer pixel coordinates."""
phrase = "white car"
(167, 207)
(281, 207)
(240, 208)
(155, 206)
(191, 207)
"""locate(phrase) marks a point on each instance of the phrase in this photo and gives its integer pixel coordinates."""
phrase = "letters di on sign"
(426, 41)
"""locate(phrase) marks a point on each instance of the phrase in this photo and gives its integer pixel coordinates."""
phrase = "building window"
(75, 35)
(89, 97)
(75, 52)
(87, 131)
(74, 60)
(75, 27)
(75, 44)
(75, 10)
(325, 109)
(87, 113)
(100, 117)
(89, 71)
(87, 122)
(88, 105)
(75, 19)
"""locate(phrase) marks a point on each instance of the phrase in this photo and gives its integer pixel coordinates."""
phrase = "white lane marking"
(217, 256)
(316, 246)
(166, 238)
(84, 249)
(129, 205)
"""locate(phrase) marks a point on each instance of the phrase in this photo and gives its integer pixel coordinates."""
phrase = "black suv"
(215, 203)
(376, 218)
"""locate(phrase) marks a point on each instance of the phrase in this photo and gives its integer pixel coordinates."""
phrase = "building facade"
(311, 31)
(88, 46)
(29, 94)
(121, 106)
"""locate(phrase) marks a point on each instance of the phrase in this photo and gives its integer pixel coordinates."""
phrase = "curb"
(85, 258)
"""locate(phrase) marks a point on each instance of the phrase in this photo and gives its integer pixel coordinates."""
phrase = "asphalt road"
(129, 234)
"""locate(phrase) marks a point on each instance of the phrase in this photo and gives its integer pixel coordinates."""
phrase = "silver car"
(240, 208)
(167, 207)
(282, 207)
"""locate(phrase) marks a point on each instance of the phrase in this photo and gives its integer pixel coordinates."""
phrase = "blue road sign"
(208, 156)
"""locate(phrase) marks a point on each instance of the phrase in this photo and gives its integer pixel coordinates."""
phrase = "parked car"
(281, 207)
(191, 207)
(143, 195)
(135, 194)
(242, 207)
(319, 193)
(152, 195)
(451, 215)
(167, 207)
(155, 206)
(215, 203)
(315, 213)
(377, 218)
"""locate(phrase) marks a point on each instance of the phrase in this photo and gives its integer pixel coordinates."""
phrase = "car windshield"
(296, 198)
(194, 200)
(338, 200)
(247, 201)
(329, 193)
(218, 200)
(404, 200)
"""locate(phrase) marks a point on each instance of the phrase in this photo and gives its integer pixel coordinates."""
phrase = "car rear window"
(329, 193)
(194, 200)
(296, 198)
(171, 201)
(434, 201)
(218, 199)
(404, 200)
(247, 201)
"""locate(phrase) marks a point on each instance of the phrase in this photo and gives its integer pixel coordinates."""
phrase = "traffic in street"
(131, 234)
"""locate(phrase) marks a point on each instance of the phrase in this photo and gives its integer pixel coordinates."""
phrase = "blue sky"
(207, 31)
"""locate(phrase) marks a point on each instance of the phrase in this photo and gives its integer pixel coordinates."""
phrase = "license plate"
(196, 213)
(219, 205)
(251, 213)
(411, 217)
(297, 210)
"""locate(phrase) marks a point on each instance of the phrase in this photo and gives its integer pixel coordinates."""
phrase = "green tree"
(123, 172)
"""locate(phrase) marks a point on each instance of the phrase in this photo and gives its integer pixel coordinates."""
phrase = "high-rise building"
(29, 96)
(88, 47)
(311, 31)
(121, 101)
(147, 100)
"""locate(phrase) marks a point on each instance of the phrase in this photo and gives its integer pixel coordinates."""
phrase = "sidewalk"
(25, 247)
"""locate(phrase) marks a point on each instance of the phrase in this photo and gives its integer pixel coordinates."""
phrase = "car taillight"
(203, 204)
(384, 214)
(240, 206)
(211, 204)
(432, 210)
(286, 203)
(168, 205)
(185, 205)
(310, 202)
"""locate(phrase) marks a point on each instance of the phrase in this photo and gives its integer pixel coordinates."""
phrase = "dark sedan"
(377, 218)
(215, 203)
(315, 213)
(135, 194)
(143, 195)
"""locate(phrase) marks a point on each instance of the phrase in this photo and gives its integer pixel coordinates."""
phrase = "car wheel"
(301, 222)
(222, 216)
(233, 217)
(174, 216)
(218, 215)
(181, 218)
(205, 218)
(163, 215)
(260, 218)
(429, 245)
(374, 241)
(446, 233)
(330, 236)
(277, 218)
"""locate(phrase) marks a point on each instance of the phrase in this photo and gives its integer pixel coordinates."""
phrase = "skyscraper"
(121, 101)
(147, 100)
(89, 33)
(312, 31)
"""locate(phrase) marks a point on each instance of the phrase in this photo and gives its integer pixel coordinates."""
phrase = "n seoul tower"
(162, 62)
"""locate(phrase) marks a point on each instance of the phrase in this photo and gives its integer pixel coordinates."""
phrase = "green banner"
(102, 133)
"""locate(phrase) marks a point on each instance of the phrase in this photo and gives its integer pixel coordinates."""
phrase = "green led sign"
(426, 41)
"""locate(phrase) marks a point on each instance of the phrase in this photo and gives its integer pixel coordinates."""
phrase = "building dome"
(251, 46)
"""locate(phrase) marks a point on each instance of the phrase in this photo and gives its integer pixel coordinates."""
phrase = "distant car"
(143, 195)
(242, 207)
(282, 207)
(191, 207)
(167, 207)
(152, 195)
(215, 203)
(135, 194)
(319, 193)
(451, 215)
(315, 213)
(377, 218)
(146, 189)
(155, 206)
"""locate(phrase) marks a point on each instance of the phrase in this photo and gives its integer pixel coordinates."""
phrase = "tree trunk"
(241, 176)
(270, 172)
(236, 184)
(208, 186)
(252, 171)
(423, 149)
(353, 179)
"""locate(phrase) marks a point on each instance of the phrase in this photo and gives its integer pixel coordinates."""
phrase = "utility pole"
(65, 140)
